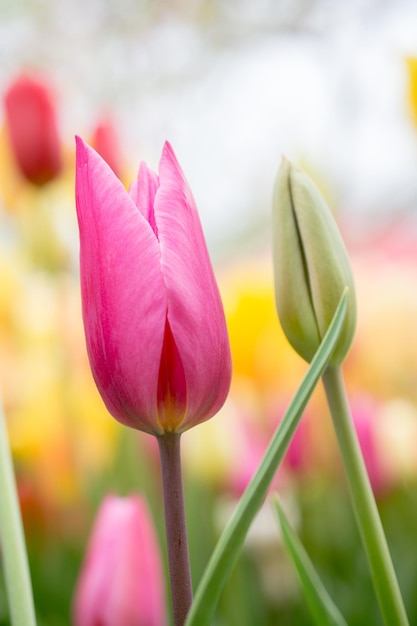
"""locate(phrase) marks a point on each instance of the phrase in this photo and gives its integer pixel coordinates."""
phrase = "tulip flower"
(153, 318)
(106, 142)
(311, 265)
(121, 581)
(366, 423)
(32, 128)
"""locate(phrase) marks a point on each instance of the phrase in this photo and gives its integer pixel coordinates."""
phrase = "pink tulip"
(248, 448)
(153, 318)
(106, 142)
(32, 127)
(121, 581)
(366, 424)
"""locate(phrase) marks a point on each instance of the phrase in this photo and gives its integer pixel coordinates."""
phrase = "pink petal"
(195, 312)
(123, 293)
(142, 192)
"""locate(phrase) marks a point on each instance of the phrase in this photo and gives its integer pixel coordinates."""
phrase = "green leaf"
(231, 541)
(12, 539)
(322, 607)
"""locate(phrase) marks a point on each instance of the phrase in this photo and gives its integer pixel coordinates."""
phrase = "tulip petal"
(325, 257)
(143, 191)
(123, 293)
(195, 312)
(172, 386)
(292, 289)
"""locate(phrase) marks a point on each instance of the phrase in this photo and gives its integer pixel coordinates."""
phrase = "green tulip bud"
(311, 265)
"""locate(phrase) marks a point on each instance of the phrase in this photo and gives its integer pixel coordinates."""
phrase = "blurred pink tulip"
(105, 141)
(153, 318)
(366, 422)
(32, 128)
(121, 581)
(249, 445)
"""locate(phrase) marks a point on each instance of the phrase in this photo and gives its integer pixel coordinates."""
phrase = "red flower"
(105, 141)
(32, 128)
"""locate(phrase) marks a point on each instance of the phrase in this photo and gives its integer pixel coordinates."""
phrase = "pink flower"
(153, 318)
(106, 142)
(365, 420)
(121, 581)
(248, 448)
(32, 127)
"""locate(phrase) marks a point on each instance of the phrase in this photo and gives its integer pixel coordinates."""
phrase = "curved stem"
(370, 526)
(16, 568)
(175, 527)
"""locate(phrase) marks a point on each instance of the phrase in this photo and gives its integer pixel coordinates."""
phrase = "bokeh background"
(232, 85)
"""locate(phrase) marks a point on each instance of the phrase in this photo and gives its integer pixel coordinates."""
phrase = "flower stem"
(16, 568)
(175, 527)
(369, 522)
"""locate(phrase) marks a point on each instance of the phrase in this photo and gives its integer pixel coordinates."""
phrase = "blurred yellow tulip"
(411, 63)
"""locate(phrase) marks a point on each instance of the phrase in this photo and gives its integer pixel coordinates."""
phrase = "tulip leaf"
(12, 538)
(231, 540)
(322, 608)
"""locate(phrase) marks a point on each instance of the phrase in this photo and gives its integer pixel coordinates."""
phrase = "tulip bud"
(32, 127)
(121, 581)
(311, 265)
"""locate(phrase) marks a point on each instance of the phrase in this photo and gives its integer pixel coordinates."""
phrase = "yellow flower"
(412, 86)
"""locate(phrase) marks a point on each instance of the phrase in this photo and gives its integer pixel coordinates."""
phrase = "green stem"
(370, 526)
(16, 568)
(175, 527)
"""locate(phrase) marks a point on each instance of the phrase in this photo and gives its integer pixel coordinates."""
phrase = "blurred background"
(232, 85)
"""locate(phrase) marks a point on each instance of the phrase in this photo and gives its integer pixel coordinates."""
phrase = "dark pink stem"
(175, 527)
